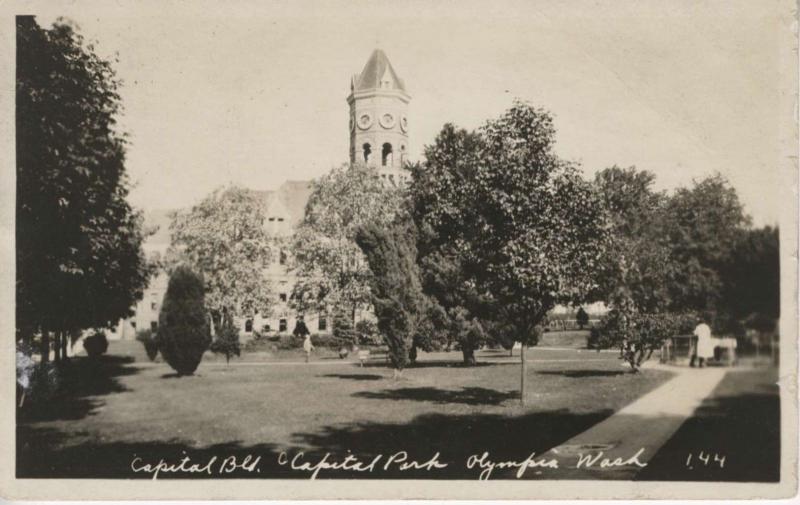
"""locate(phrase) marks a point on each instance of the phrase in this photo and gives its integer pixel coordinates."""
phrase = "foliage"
(639, 334)
(223, 237)
(330, 267)
(150, 342)
(78, 242)
(367, 332)
(343, 328)
(300, 329)
(395, 289)
(226, 341)
(752, 275)
(527, 231)
(639, 264)
(183, 334)
(702, 224)
(95, 344)
(581, 318)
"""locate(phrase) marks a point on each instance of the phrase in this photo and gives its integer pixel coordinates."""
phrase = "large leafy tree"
(223, 238)
(79, 258)
(440, 199)
(702, 224)
(526, 228)
(752, 275)
(330, 267)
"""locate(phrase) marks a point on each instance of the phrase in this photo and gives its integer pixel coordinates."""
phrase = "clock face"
(387, 120)
(404, 123)
(364, 121)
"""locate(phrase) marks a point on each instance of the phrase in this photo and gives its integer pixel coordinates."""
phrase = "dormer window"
(271, 219)
(280, 219)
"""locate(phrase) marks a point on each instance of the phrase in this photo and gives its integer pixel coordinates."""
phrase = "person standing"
(704, 350)
(308, 347)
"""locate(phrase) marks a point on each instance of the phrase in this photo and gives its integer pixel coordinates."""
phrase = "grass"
(121, 406)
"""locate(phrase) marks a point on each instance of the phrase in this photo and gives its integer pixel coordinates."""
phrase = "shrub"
(96, 344)
(150, 342)
(300, 329)
(183, 325)
(227, 341)
(343, 327)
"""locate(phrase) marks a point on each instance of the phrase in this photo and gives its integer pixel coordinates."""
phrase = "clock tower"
(378, 123)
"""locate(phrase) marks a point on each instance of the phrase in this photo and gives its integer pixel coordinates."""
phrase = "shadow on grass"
(48, 453)
(467, 395)
(354, 376)
(580, 374)
(73, 392)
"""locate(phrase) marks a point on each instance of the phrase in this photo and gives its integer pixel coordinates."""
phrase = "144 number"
(705, 459)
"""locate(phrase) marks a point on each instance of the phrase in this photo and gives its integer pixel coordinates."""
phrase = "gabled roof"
(377, 69)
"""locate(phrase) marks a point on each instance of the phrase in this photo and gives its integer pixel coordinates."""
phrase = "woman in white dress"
(705, 346)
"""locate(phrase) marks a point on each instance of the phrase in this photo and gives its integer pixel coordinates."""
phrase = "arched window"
(402, 155)
(367, 151)
(386, 154)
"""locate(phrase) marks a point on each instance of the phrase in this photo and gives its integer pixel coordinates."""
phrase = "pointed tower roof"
(376, 70)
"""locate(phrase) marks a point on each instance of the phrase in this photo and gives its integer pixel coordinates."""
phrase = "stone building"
(378, 104)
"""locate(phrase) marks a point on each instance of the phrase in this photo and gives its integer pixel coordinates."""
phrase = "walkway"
(639, 429)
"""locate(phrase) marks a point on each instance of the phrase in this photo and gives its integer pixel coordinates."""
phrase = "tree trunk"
(45, 349)
(522, 376)
(469, 356)
(57, 346)
(65, 346)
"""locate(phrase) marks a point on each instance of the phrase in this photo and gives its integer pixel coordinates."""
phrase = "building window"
(367, 151)
(248, 326)
(386, 154)
(271, 219)
(266, 328)
(323, 323)
(282, 297)
(154, 326)
(153, 306)
(282, 325)
(280, 219)
(282, 257)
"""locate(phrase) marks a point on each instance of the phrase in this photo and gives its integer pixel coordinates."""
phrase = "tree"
(223, 237)
(438, 199)
(183, 334)
(79, 259)
(751, 276)
(226, 341)
(702, 225)
(528, 230)
(395, 288)
(581, 318)
(330, 267)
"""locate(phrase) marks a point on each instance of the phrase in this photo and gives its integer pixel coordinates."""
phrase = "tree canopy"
(223, 237)
(80, 262)
(331, 269)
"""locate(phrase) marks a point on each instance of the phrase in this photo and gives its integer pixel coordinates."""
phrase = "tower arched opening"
(387, 157)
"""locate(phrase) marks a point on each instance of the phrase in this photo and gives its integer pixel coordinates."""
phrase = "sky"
(254, 93)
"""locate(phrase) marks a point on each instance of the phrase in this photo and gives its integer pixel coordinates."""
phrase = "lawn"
(111, 411)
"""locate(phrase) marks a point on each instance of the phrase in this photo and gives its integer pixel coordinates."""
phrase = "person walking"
(308, 347)
(704, 349)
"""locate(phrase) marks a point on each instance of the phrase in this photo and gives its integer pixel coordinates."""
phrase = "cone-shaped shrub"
(183, 333)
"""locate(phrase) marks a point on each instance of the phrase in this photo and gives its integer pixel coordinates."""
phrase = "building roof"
(377, 69)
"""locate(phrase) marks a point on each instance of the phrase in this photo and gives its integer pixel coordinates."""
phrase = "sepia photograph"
(400, 249)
